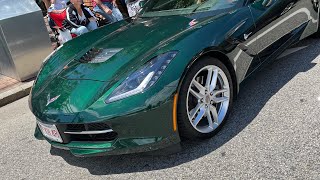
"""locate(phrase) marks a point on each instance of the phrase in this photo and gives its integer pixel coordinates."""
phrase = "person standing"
(108, 9)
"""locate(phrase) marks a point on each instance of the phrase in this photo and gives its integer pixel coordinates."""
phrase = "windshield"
(176, 7)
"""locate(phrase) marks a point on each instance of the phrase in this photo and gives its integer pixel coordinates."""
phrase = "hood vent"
(99, 55)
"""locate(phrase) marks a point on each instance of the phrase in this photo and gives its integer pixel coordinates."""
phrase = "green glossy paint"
(144, 121)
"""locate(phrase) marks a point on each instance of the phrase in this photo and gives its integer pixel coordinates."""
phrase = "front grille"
(75, 127)
(87, 127)
(87, 132)
(95, 137)
(98, 126)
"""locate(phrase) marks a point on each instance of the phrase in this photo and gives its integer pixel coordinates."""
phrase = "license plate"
(50, 131)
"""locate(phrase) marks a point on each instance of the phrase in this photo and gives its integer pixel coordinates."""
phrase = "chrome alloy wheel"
(208, 99)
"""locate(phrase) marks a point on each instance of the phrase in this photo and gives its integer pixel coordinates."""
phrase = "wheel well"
(224, 59)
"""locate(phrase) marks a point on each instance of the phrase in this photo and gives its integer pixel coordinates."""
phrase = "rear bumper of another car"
(149, 130)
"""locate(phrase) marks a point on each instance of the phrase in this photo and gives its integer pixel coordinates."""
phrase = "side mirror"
(267, 3)
(142, 3)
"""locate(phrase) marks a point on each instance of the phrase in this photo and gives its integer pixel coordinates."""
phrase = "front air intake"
(90, 132)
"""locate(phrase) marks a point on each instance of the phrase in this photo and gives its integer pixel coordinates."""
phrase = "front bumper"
(145, 131)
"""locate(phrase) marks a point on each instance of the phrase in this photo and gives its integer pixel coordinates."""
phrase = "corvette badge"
(49, 101)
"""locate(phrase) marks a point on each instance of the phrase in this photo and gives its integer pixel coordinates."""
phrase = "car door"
(280, 23)
(240, 31)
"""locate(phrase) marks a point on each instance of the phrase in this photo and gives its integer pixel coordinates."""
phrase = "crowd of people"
(73, 16)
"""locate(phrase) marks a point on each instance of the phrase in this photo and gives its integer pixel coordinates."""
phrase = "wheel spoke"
(194, 111)
(214, 113)
(196, 95)
(214, 80)
(220, 99)
(209, 117)
(198, 86)
(215, 93)
(199, 116)
(209, 77)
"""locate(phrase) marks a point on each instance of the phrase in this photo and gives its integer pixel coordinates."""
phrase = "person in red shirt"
(108, 9)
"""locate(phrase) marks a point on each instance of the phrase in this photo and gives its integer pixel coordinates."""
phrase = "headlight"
(143, 78)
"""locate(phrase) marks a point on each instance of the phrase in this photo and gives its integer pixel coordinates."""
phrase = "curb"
(15, 93)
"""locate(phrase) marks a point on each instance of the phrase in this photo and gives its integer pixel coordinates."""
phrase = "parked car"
(168, 74)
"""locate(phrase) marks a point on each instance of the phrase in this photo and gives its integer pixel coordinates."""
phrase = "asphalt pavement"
(273, 133)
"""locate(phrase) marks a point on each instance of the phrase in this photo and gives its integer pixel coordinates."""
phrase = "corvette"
(168, 74)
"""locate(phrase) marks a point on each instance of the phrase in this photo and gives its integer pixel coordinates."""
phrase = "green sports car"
(170, 73)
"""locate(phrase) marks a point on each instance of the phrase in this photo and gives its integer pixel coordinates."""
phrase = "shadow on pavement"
(253, 96)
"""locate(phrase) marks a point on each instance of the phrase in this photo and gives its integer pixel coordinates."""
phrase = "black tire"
(186, 129)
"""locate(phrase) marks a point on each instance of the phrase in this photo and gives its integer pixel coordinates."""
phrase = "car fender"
(214, 52)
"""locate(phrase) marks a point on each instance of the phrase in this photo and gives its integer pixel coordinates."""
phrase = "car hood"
(133, 43)
(70, 86)
(66, 86)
